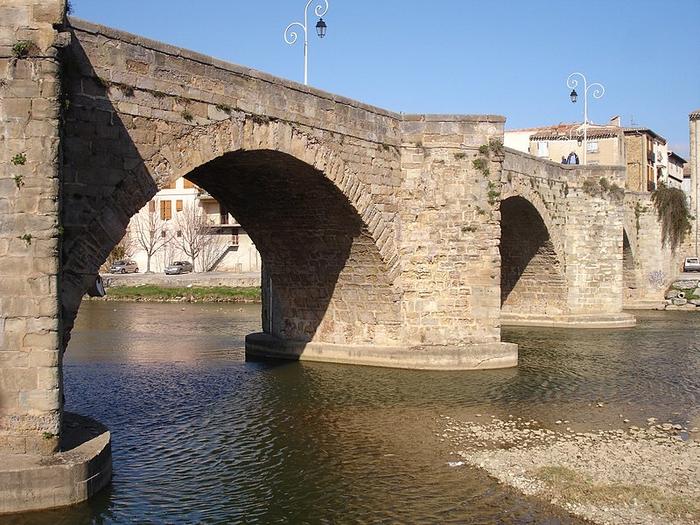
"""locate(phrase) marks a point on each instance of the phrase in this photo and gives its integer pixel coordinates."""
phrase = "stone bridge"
(379, 232)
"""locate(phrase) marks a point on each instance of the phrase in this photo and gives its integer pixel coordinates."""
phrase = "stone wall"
(651, 266)
(694, 125)
(30, 381)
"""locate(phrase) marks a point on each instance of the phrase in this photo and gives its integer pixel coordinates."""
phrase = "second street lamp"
(291, 36)
(598, 92)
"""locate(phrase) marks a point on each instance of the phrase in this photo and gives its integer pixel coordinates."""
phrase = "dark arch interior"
(323, 276)
(532, 280)
(628, 272)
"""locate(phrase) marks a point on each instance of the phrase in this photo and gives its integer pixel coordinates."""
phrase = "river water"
(201, 436)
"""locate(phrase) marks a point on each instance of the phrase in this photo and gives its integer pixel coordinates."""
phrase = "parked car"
(124, 266)
(691, 264)
(178, 267)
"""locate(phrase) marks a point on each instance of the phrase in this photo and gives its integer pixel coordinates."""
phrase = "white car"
(691, 264)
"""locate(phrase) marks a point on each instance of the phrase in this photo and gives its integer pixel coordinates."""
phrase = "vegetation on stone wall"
(19, 160)
(601, 187)
(674, 216)
(22, 48)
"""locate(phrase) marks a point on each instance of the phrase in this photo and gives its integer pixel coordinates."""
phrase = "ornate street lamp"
(598, 92)
(291, 36)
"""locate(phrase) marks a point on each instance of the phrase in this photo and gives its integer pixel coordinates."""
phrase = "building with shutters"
(228, 247)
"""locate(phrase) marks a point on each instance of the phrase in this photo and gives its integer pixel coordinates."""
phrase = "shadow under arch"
(629, 274)
(323, 276)
(532, 273)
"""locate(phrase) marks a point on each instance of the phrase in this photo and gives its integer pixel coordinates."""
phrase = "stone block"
(41, 400)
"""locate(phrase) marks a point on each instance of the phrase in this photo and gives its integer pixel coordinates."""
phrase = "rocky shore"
(683, 294)
(637, 475)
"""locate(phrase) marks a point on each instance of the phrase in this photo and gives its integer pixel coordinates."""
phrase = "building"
(643, 151)
(604, 143)
(676, 166)
(694, 119)
(646, 155)
(174, 216)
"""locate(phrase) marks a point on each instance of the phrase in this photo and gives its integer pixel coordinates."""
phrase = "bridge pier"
(40, 466)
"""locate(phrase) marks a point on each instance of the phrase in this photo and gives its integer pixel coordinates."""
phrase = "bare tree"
(194, 236)
(150, 232)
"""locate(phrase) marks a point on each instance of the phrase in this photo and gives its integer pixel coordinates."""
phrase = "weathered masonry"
(387, 239)
(561, 243)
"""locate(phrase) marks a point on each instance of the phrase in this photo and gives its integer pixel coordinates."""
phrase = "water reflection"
(200, 436)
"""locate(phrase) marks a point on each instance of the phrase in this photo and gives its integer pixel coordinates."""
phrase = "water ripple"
(200, 436)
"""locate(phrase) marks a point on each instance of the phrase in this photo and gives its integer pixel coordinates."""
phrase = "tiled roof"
(574, 131)
(674, 154)
(645, 130)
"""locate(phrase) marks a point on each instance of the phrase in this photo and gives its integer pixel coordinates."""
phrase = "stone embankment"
(237, 280)
(683, 294)
(635, 476)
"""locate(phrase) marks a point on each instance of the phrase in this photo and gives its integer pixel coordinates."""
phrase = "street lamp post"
(598, 92)
(291, 36)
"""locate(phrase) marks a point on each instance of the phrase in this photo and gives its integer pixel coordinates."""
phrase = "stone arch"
(244, 132)
(521, 186)
(533, 279)
(334, 293)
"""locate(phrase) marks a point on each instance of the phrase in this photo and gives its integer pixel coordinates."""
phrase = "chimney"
(616, 121)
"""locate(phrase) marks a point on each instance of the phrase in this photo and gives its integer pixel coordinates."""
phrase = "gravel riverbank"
(634, 476)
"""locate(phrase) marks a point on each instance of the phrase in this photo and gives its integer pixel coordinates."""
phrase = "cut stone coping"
(471, 357)
(83, 468)
(621, 320)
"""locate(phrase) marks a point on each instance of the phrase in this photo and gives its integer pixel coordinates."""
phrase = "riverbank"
(633, 476)
(188, 294)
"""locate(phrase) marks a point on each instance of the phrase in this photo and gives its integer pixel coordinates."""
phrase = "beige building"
(604, 143)
(643, 151)
(227, 248)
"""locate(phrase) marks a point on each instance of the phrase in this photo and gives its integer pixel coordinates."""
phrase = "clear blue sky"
(508, 57)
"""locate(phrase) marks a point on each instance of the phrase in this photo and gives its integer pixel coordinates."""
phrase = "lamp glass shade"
(321, 28)
(573, 96)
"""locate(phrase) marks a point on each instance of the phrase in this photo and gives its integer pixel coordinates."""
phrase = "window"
(166, 210)
(178, 205)
(223, 215)
(179, 233)
(163, 234)
(152, 207)
(592, 146)
(543, 149)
